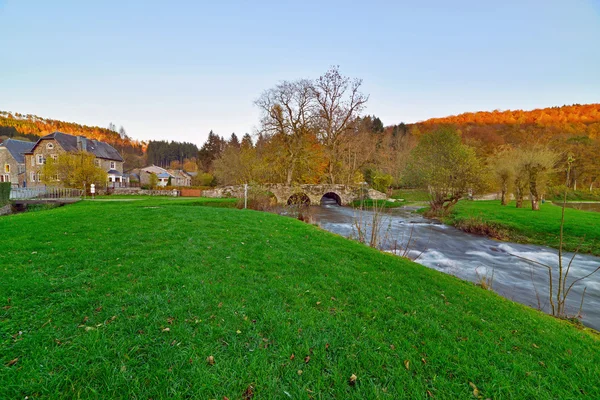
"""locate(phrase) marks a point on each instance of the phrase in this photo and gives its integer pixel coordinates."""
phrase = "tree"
(153, 181)
(503, 172)
(233, 141)
(123, 133)
(534, 163)
(448, 168)
(339, 101)
(210, 151)
(73, 170)
(287, 118)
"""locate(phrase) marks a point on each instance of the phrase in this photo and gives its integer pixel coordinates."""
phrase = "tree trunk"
(504, 192)
(535, 198)
(519, 196)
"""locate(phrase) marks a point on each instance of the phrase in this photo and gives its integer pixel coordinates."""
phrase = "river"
(472, 257)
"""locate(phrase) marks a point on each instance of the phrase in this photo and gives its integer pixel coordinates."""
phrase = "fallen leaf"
(326, 346)
(12, 362)
(238, 331)
(210, 360)
(475, 390)
(98, 309)
(352, 380)
(535, 345)
(407, 364)
(429, 394)
(306, 359)
(299, 372)
(424, 361)
(318, 303)
(166, 330)
(248, 393)
(292, 356)
(392, 347)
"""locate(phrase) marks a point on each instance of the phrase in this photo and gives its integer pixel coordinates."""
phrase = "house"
(181, 178)
(12, 161)
(162, 175)
(54, 144)
(177, 177)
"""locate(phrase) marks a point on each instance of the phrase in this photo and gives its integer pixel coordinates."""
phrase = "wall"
(41, 148)
(7, 158)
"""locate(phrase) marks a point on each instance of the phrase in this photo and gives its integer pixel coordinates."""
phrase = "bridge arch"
(331, 196)
(298, 199)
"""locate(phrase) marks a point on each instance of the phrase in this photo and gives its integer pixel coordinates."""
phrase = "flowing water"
(473, 257)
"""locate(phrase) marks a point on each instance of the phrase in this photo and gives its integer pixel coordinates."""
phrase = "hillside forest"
(318, 131)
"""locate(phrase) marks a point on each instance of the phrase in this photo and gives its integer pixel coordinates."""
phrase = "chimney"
(81, 143)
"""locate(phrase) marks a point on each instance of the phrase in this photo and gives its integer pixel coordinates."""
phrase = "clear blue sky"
(177, 69)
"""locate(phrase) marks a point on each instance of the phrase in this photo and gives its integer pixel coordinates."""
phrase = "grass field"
(411, 195)
(129, 299)
(539, 227)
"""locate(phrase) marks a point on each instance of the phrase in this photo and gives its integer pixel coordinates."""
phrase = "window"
(4, 178)
(54, 157)
(113, 165)
(41, 159)
(33, 177)
(21, 168)
(7, 168)
(97, 162)
(50, 146)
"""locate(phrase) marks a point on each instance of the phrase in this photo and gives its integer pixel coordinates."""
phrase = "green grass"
(539, 227)
(369, 203)
(128, 299)
(411, 195)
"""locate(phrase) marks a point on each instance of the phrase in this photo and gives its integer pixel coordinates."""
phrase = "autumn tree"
(502, 168)
(288, 119)
(445, 166)
(534, 164)
(73, 170)
(338, 101)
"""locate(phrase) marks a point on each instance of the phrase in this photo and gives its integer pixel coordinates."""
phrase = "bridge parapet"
(344, 194)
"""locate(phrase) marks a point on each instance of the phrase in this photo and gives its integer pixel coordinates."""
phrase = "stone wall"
(6, 159)
(5, 210)
(31, 162)
(347, 194)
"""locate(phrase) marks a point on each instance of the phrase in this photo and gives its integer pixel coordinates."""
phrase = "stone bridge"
(303, 194)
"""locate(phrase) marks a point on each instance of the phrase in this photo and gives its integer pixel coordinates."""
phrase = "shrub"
(4, 193)
(258, 199)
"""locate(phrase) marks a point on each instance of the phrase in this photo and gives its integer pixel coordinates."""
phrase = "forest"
(318, 131)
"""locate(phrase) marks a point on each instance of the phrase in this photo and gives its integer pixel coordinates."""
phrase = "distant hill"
(32, 127)
(559, 127)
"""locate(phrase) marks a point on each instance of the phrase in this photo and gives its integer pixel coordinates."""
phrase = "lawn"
(129, 299)
(539, 227)
(411, 195)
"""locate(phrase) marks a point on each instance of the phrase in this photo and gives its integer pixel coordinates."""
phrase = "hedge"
(4, 193)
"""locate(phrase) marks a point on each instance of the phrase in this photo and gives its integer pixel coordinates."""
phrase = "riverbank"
(130, 299)
(522, 225)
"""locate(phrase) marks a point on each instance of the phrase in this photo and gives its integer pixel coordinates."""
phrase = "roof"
(179, 173)
(153, 169)
(164, 175)
(18, 148)
(114, 172)
(96, 147)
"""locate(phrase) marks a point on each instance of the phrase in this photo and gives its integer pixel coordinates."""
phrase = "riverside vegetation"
(166, 297)
(522, 225)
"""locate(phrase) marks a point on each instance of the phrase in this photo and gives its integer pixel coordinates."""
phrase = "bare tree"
(287, 114)
(339, 101)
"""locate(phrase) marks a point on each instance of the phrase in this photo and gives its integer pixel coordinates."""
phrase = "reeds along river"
(473, 257)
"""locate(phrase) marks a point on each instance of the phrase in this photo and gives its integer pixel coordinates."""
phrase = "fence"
(45, 193)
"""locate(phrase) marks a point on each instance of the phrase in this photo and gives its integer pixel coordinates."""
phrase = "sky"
(174, 70)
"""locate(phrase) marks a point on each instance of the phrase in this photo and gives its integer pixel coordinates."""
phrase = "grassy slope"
(87, 291)
(540, 227)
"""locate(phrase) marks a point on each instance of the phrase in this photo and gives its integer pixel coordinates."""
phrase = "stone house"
(54, 144)
(12, 161)
(178, 177)
(181, 178)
